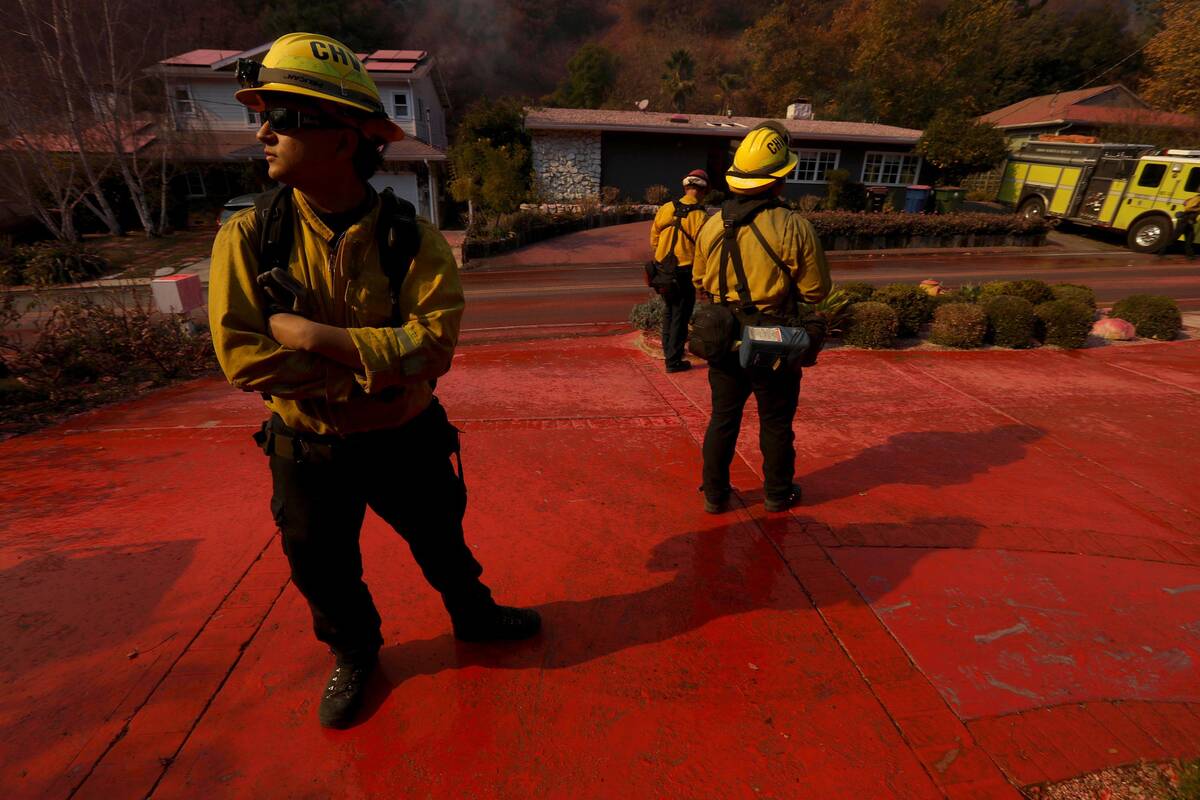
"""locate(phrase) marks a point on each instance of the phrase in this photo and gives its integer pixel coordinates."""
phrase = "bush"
(648, 315)
(1073, 291)
(1035, 292)
(872, 325)
(657, 194)
(610, 195)
(1065, 323)
(960, 325)
(830, 224)
(1011, 321)
(913, 306)
(86, 348)
(714, 198)
(857, 291)
(833, 311)
(1154, 316)
(48, 263)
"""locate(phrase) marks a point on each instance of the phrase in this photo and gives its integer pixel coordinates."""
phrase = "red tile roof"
(709, 125)
(199, 58)
(1066, 107)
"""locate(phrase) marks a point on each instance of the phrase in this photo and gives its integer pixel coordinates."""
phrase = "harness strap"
(793, 294)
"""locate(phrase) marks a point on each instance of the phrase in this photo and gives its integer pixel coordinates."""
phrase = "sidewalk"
(994, 581)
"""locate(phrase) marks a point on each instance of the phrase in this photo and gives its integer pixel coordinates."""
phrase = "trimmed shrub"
(1065, 323)
(872, 325)
(857, 291)
(1154, 316)
(913, 306)
(1011, 321)
(961, 325)
(1035, 292)
(648, 315)
(830, 224)
(1073, 291)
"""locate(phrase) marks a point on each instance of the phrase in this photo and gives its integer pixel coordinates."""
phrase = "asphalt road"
(509, 301)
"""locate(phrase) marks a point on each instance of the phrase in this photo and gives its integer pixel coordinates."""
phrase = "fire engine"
(1126, 187)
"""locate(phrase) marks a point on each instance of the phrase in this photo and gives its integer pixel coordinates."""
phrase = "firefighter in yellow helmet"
(672, 242)
(342, 308)
(783, 264)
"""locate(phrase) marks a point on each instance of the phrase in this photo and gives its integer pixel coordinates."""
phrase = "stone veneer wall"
(567, 164)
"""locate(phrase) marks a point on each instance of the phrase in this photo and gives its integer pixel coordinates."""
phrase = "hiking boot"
(682, 366)
(785, 502)
(498, 623)
(344, 694)
(716, 503)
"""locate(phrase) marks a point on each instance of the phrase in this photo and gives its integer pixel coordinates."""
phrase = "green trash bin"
(949, 199)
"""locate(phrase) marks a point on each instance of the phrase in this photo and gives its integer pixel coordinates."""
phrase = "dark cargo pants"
(678, 313)
(406, 476)
(778, 394)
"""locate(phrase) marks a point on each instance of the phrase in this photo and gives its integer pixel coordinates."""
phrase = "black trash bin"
(876, 198)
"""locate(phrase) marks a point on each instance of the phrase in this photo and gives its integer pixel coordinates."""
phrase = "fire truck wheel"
(1150, 234)
(1032, 208)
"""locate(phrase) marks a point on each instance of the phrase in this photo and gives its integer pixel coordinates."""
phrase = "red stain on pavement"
(971, 581)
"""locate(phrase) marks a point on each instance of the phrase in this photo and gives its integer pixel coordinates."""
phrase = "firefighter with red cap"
(673, 243)
(342, 308)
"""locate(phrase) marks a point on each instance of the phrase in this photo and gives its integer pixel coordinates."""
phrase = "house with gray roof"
(577, 151)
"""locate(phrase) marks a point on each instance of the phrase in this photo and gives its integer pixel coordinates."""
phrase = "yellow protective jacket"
(310, 392)
(791, 237)
(661, 231)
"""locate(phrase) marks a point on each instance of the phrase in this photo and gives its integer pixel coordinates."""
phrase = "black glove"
(285, 294)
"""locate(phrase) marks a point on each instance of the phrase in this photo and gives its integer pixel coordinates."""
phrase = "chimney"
(801, 109)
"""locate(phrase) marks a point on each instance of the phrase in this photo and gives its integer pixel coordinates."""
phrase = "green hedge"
(1073, 291)
(1011, 321)
(962, 325)
(851, 223)
(1064, 323)
(1154, 316)
(913, 306)
(1035, 292)
(872, 325)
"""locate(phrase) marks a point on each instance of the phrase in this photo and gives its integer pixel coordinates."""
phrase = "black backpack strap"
(274, 211)
(399, 239)
(730, 251)
(682, 210)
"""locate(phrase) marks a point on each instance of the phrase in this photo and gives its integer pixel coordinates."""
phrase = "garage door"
(404, 184)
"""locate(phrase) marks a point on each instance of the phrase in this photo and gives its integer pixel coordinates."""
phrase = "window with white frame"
(252, 118)
(401, 109)
(184, 104)
(890, 169)
(813, 165)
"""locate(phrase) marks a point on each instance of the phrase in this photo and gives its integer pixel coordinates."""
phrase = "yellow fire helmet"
(322, 68)
(762, 158)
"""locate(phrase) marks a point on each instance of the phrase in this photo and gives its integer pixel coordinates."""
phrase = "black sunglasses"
(282, 120)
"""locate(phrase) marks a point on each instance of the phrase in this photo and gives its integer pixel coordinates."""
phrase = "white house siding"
(215, 105)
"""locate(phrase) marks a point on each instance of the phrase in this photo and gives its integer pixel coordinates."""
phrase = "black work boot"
(497, 623)
(679, 366)
(785, 502)
(717, 502)
(343, 694)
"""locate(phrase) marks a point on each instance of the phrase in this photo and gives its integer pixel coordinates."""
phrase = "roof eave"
(728, 133)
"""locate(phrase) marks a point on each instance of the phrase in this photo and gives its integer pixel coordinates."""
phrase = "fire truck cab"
(1125, 187)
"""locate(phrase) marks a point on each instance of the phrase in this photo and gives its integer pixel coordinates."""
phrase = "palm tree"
(728, 83)
(678, 80)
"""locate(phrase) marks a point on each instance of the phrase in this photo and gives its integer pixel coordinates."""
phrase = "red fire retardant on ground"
(994, 581)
